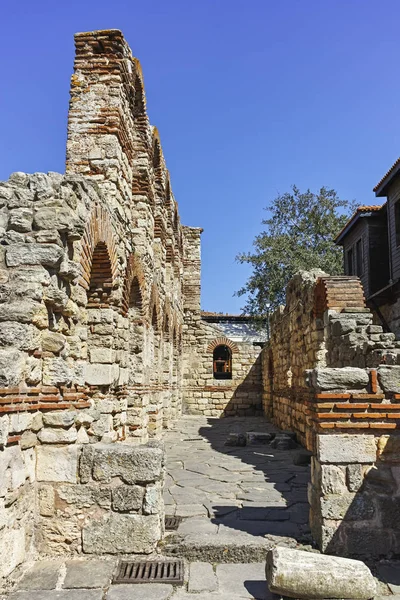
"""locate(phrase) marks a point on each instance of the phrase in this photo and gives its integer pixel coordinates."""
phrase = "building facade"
(371, 250)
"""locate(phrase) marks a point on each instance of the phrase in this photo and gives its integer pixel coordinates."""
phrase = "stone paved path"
(236, 502)
(84, 579)
(253, 495)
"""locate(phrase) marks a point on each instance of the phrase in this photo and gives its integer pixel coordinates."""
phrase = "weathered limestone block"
(46, 498)
(117, 533)
(56, 371)
(18, 335)
(331, 478)
(102, 355)
(12, 363)
(54, 215)
(102, 425)
(4, 429)
(28, 440)
(348, 507)
(53, 342)
(20, 421)
(14, 542)
(133, 464)
(153, 502)
(299, 574)
(48, 255)
(345, 378)
(22, 311)
(57, 463)
(20, 219)
(100, 374)
(59, 418)
(126, 498)
(389, 379)
(354, 477)
(343, 326)
(85, 496)
(57, 436)
(346, 448)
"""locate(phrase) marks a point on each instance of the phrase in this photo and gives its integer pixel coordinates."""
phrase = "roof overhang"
(381, 188)
(360, 213)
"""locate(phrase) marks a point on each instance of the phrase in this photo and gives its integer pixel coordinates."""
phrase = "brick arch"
(140, 96)
(98, 234)
(134, 275)
(222, 341)
(154, 312)
(168, 321)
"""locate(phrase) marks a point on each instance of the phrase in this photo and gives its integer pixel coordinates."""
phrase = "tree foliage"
(298, 236)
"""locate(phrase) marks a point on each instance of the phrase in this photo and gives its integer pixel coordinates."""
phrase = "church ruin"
(103, 345)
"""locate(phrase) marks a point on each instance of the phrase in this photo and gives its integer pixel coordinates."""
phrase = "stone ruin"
(102, 345)
(332, 376)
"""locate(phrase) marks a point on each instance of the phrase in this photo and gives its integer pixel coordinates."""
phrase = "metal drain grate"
(152, 571)
(172, 523)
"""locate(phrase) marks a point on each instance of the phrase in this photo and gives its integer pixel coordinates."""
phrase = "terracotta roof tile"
(392, 168)
(361, 209)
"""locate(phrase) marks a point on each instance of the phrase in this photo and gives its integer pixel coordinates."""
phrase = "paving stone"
(193, 525)
(191, 510)
(202, 578)
(57, 595)
(245, 580)
(246, 490)
(42, 576)
(89, 573)
(143, 591)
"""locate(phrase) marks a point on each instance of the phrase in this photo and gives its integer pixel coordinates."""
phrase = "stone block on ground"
(258, 438)
(283, 441)
(300, 574)
(236, 439)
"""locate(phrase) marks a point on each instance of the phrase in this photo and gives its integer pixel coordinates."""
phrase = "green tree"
(298, 236)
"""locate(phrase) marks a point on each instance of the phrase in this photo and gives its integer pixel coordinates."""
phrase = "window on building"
(397, 221)
(349, 261)
(222, 362)
(359, 258)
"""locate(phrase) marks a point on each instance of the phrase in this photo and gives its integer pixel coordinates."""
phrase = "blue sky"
(249, 96)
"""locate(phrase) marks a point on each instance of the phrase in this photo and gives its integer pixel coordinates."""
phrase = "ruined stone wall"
(391, 314)
(327, 366)
(355, 494)
(91, 299)
(202, 394)
(100, 499)
(332, 376)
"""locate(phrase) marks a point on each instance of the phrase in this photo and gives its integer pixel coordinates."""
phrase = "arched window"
(100, 277)
(222, 362)
(135, 300)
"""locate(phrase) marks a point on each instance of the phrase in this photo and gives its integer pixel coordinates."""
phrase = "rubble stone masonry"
(202, 394)
(332, 376)
(91, 314)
